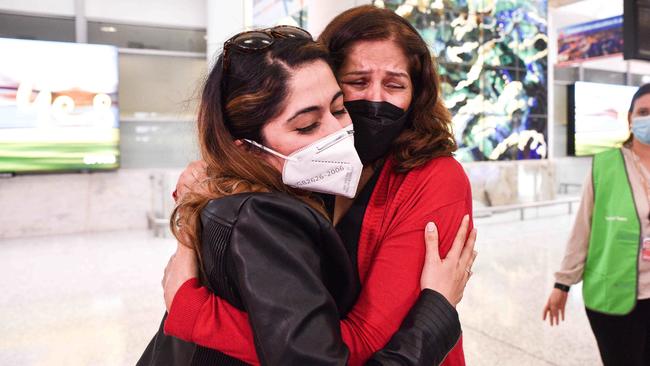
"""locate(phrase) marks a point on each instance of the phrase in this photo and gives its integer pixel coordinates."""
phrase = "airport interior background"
(535, 89)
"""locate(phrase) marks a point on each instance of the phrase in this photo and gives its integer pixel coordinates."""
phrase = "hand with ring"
(449, 276)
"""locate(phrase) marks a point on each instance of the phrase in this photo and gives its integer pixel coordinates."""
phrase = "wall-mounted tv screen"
(636, 27)
(58, 106)
(597, 118)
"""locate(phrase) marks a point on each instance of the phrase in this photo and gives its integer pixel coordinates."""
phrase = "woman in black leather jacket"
(268, 248)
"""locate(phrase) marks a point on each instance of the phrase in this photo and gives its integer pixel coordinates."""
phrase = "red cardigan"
(390, 259)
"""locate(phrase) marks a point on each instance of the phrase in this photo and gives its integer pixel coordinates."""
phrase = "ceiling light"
(108, 29)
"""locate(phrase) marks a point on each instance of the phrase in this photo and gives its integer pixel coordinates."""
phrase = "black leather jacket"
(283, 262)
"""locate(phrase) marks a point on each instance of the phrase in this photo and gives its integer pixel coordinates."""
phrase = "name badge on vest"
(645, 250)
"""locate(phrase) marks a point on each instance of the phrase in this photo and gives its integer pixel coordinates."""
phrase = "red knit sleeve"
(199, 316)
(391, 283)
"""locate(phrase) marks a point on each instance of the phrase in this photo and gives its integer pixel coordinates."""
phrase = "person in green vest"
(609, 247)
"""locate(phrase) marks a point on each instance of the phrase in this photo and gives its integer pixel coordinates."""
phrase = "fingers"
(551, 315)
(547, 312)
(553, 312)
(194, 173)
(472, 259)
(468, 254)
(431, 241)
(459, 240)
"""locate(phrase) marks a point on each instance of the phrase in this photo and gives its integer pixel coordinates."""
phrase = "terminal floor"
(95, 299)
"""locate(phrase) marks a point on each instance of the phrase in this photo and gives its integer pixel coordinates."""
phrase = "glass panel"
(158, 101)
(37, 28)
(604, 76)
(566, 74)
(157, 144)
(160, 86)
(147, 37)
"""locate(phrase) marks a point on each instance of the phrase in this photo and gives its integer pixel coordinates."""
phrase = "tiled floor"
(96, 299)
(502, 308)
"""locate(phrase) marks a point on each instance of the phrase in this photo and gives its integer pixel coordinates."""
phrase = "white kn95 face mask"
(330, 165)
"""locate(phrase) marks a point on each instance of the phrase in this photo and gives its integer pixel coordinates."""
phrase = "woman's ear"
(244, 146)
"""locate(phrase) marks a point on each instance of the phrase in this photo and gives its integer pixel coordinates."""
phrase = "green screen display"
(58, 107)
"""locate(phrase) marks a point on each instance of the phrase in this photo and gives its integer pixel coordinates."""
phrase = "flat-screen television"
(58, 106)
(636, 28)
(595, 39)
(597, 117)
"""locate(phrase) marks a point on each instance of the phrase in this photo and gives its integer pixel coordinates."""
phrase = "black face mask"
(376, 126)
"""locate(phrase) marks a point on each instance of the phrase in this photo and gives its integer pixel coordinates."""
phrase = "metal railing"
(564, 187)
(161, 204)
(521, 207)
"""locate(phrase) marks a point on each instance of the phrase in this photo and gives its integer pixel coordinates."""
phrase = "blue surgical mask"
(641, 129)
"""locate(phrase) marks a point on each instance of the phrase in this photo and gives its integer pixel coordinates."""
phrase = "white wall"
(225, 19)
(45, 7)
(321, 12)
(181, 13)
(34, 205)
(586, 10)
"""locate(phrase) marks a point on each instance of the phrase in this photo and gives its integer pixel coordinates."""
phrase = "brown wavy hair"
(236, 104)
(429, 134)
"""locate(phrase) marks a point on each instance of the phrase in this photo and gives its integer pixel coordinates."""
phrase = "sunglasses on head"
(258, 40)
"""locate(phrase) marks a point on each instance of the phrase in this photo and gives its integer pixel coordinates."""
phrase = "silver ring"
(469, 271)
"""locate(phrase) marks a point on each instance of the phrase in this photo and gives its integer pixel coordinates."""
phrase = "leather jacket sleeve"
(428, 333)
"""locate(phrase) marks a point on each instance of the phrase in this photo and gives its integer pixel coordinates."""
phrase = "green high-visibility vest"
(611, 270)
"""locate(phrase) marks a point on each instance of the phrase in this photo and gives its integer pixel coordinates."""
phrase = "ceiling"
(557, 3)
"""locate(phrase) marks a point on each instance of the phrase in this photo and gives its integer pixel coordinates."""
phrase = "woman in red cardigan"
(403, 136)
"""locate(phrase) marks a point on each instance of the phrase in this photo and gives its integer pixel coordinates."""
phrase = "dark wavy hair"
(429, 134)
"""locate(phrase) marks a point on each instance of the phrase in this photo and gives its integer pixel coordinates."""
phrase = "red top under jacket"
(390, 259)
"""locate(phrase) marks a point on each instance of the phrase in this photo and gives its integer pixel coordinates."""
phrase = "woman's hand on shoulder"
(191, 178)
(449, 276)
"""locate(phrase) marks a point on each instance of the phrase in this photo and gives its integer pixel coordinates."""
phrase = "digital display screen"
(58, 106)
(598, 119)
(599, 38)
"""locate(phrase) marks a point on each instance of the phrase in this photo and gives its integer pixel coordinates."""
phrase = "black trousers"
(623, 340)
